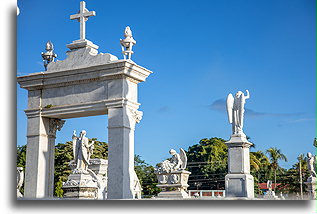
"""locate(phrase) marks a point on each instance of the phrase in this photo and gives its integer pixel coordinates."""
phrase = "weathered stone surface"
(80, 58)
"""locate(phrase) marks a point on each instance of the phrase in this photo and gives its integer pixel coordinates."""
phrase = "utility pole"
(300, 177)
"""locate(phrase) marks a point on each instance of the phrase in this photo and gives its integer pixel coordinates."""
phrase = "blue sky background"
(199, 52)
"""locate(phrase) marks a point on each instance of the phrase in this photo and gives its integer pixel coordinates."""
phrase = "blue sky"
(199, 52)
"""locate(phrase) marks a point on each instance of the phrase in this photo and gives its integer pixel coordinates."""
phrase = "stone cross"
(82, 17)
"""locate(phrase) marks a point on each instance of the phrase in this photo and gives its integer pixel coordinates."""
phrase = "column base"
(239, 185)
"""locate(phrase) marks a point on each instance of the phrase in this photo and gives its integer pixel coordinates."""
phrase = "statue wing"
(75, 148)
(183, 157)
(230, 101)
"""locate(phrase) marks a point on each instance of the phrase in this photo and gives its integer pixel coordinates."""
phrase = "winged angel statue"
(235, 109)
(82, 151)
(177, 162)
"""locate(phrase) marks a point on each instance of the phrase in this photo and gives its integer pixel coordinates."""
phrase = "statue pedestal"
(173, 184)
(311, 184)
(99, 167)
(80, 186)
(270, 195)
(239, 182)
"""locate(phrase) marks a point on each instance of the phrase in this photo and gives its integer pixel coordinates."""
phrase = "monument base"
(173, 194)
(80, 186)
(239, 185)
(311, 184)
(270, 195)
(173, 184)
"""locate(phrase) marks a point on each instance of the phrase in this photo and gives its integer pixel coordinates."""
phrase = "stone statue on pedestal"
(178, 162)
(82, 183)
(20, 179)
(235, 109)
(172, 176)
(311, 162)
(238, 182)
(270, 194)
(82, 151)
(311, 180)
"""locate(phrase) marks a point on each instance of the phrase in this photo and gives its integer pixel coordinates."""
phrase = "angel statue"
(82, 151)
(269, 185)
(20, 179)
(311, 161)
(177, 162)
(235, 109)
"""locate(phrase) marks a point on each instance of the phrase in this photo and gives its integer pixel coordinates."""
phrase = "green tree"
(258, 165)
(291, 180)
(145, 173)
(207, 161)
(275, 155)
(21, 156)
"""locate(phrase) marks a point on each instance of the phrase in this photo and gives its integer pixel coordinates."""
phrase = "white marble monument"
(172, 176)
(82, 183)
(238, 182)
(20, 179)
(99, 167)
(86, 83)
(311, 180)
(270, 194)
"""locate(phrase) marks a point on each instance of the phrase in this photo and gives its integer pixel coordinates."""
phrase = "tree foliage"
(275, 155)
(207, 161)
(145, 173)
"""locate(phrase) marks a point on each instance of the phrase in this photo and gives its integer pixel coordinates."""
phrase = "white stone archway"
(84, 84)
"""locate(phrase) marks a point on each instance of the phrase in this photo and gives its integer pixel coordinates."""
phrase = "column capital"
(54, 125)
(136, 115)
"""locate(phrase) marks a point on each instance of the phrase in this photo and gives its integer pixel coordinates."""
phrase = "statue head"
(82, 133)
(309, 155)
(172, 152)
(238, 94)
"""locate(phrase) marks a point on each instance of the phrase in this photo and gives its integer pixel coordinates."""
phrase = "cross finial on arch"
(82, 17)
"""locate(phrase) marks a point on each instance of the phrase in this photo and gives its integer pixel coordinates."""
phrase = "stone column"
(39, 172)
(121, 124)
(239, 182)
(54, 125)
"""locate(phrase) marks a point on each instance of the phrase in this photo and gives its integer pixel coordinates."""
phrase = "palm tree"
(275, 155)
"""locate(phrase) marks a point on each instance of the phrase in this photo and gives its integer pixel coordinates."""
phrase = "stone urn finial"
(127, 43)
(49, 55)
